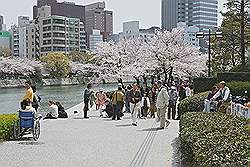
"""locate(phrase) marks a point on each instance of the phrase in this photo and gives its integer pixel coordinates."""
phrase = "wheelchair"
(27, 123)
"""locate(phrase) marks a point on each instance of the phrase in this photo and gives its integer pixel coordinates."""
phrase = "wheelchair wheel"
(17, 131)
(36, 130)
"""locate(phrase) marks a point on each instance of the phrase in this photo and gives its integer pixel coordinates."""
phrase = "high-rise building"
(23, 21)
(94, 16)
(169, 14)
(200, 13)
(67, 9)
(1, 23)
(130, 29)
(97, 18)
(5, 38)
(63, 34)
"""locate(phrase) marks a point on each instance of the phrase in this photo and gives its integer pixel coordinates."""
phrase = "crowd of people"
(141, 102)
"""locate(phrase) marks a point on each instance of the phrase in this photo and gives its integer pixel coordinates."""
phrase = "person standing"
(145, 105)
(173, 96)
(152, 98)
(100, 100)
(161, 104)
(118, 99)
(28, 94)
(127, 106)
(87, 94)
(134, 97)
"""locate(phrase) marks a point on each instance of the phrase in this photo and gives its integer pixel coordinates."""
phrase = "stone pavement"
(97, 142)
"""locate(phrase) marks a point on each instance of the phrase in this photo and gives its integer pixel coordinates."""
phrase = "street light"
(209, 34)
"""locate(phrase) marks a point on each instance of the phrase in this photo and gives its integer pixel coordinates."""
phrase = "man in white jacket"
(162, 104)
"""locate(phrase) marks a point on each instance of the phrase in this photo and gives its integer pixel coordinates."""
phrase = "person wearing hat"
(134, 97)
(223, 95)
(161, 104)
(173, 96)
(87, 94)
(100, 101)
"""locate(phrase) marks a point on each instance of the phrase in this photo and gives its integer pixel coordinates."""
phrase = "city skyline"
(119, 7)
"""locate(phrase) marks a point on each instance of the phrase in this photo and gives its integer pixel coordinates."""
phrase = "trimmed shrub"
(233, 76)
(239, 69)
(239, 88)
(213, 139)
(6, 126)
(203, 84)
(192, 104)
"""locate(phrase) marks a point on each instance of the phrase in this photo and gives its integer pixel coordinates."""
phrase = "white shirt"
(188, 91)
(224, 93)
(54, 112)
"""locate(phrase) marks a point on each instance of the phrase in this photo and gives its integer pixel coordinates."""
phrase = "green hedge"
(233, 76)
(204, 84)
(213, 139)
(239, 88)
(6, 126)
(192, 104)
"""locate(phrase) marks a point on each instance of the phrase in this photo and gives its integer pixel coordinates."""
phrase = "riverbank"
(19, 83)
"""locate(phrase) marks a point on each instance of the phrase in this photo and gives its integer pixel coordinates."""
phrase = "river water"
(67, 95)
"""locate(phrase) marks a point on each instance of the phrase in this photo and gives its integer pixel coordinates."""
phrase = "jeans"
(206, 105)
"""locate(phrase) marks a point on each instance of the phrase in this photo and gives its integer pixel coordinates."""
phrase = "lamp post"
(209, 34)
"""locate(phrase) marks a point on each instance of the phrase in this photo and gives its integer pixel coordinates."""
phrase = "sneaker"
(86, 117)
(101, 115)
(160, 128)
(157, 119)
(134, 124)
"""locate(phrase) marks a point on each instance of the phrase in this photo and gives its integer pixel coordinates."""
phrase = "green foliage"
(204, 84)
(6, 126)
(239, 88)
(57, 64)
(233, 76)
(82, 57)
(213, 139)
(192, 104)
(239, 69)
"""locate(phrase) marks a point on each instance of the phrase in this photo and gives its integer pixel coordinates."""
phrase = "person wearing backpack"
(118, 99)
(145, 105)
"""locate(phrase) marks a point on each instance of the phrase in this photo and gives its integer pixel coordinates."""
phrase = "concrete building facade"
(1, 23)
(199, 13)
(5, 39)
(23, 21)
(61, 34)
(130, 29)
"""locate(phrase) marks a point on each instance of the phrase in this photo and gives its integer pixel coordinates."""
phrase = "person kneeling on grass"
(53, 113)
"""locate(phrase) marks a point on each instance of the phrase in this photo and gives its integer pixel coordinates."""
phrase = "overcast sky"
(148, 12)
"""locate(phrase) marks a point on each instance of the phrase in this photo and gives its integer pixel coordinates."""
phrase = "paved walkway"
(97, 142)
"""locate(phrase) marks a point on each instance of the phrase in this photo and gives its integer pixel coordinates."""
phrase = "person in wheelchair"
(27, 107)
(223, 95)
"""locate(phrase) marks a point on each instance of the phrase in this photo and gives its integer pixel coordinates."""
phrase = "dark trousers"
(86, 109)
(117, 111)
(172, 109)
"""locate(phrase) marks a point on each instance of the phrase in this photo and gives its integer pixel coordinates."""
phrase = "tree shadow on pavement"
(176, 157)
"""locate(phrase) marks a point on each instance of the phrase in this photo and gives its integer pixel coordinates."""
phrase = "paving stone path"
(97, 142)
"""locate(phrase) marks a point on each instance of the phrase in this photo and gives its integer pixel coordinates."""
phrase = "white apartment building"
(130, 29)
(59, 33)
(94, 39)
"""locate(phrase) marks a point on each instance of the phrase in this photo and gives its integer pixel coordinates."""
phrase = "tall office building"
(97, 18)
(169, 14)
(1, 23)
(200, 13)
